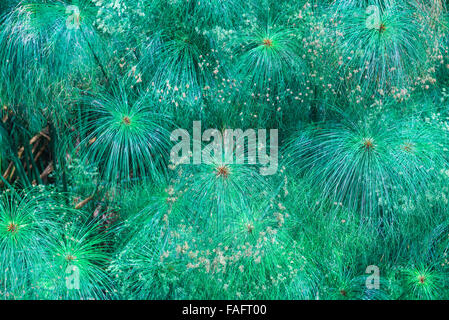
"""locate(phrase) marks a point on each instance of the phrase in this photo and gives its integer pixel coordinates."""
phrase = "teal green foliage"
(91, 206)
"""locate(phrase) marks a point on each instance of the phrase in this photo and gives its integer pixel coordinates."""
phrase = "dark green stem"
(33, 164)
(95, 55)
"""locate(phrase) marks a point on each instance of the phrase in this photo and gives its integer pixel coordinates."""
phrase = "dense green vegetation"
(91, 206)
